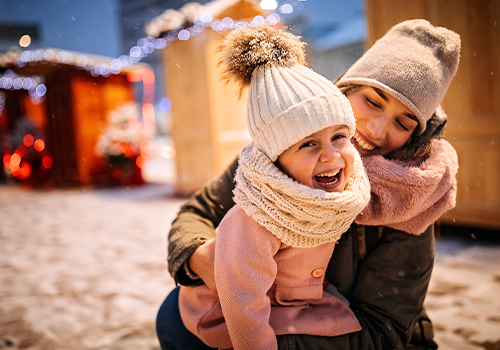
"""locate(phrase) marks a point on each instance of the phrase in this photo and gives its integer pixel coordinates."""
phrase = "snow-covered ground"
(86, 269)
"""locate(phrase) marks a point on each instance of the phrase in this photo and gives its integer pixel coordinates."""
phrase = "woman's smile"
(383, 124)
(360, 144)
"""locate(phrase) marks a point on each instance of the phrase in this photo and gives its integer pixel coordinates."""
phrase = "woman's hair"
(417, 147)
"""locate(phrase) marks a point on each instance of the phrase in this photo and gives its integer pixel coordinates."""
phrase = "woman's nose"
(377, 127)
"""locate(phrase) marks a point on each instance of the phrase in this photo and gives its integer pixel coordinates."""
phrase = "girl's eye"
(372, 103)
(306, 144)
(338, 137)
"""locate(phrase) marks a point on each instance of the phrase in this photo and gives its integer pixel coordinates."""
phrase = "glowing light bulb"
(28, 140)
(268, 4)
(184, 35)
(286, 9)
(39, 145)
(47, 162)
(167, 152)
(165, 105)
(25, 41)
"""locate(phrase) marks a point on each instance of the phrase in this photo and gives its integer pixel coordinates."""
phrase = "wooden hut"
(208, 122)
(472, 102)
(81, 90)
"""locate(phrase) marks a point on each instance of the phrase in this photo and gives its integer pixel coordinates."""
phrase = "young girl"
(299, 186)
(395, 90)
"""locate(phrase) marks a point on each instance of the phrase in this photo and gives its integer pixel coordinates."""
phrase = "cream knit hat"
(414, 62)
(286, 101)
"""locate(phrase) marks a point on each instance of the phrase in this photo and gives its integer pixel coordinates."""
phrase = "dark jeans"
(171, 331)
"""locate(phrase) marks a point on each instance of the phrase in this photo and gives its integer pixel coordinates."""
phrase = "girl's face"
(323, 160)
(383, 124)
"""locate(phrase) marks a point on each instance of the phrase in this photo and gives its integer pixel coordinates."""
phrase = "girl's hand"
(201, 262)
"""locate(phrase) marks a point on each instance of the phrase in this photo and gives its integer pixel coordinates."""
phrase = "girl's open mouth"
(328, 181)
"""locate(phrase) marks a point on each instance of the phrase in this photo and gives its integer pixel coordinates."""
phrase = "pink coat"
(265, 288)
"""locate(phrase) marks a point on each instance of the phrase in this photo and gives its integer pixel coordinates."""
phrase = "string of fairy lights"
(145, 46)
(158, 37)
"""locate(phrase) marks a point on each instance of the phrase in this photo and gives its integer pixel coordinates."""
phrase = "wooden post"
(208, 121)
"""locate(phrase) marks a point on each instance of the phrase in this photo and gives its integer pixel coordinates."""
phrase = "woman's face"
(383, 124)
(323, 160)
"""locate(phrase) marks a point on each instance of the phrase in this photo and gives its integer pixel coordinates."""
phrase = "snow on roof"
(192, 12)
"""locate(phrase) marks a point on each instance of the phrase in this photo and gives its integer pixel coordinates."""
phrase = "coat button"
(318, 272)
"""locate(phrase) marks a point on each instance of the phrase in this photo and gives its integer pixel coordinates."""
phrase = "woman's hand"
(201, 262)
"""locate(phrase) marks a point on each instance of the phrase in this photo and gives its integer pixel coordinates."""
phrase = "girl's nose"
(377, 127)
(329, 154)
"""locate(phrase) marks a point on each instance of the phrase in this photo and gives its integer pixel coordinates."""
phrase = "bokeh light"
(22, 172)
(25, 41)
(184, 35)
(167, 152)
(140, 161)
(148, 114)
(164, 105)
(149, 77)
(47, 162)
(146, 149)
(269, 4)
(286, 9)
(6, 160)
(28, 140)
(39, 145)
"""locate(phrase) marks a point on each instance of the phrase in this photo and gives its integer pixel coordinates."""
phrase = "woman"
(382, 265)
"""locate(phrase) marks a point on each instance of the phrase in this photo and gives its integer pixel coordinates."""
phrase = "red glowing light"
(6, 160)
(22, 172)
(28, 140)
(127, 149)
(15, 160)
(148, 114)
(146, 149)
(134, 77)
(39, 145)
(148, 77)
(140, 161)
(47, 162)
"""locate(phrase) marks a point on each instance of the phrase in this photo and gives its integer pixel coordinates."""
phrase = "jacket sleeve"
(387, 295)
(196, 222)
(245, 270)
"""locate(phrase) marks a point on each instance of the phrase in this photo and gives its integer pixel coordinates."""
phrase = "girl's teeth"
(327, 178)
(328, 175)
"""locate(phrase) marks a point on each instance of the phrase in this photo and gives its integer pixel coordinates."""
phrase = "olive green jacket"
(383, 273)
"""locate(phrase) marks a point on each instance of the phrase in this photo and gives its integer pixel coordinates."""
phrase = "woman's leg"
(171, 331)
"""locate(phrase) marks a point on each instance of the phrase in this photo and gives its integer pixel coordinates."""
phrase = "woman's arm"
(387, 293)
(401, 262)
(194, 225)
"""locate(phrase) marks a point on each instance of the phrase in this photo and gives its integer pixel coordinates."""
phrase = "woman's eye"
(372, 103)
(402, 125)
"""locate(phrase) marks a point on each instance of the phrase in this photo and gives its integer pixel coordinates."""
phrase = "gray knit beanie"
(414, 62)
(286, 100)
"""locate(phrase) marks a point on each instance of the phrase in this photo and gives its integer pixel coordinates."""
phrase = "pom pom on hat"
(256, 45)
(414, 61)
(286, 101)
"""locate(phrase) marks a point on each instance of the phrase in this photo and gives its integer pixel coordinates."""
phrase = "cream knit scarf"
(410, 197)
(298, 215)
